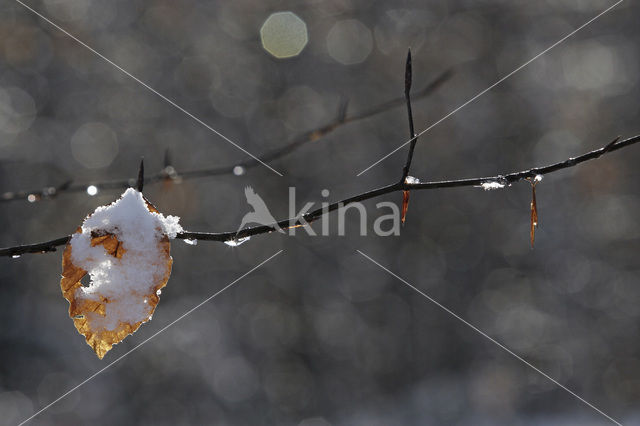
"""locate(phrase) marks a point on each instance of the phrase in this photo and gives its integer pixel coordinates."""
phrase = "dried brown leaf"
(84, 311)
(405, 205)
(534, 214)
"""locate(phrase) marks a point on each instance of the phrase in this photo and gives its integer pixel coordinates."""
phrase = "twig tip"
(407, 73)
(140, 183)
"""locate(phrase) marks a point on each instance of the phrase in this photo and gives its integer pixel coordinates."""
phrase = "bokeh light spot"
(284, 35)
(92, 190)
(18, 110)
(94, 145)
(349, 42)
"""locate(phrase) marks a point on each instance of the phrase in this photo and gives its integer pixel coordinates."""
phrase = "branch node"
(610, 145)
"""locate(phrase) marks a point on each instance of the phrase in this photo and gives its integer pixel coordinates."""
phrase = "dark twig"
(140, 182)
(170, 174)
(412, 133)
(35, 248)
(399, 186)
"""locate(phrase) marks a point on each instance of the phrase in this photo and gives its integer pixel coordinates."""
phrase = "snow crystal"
(411, 180)
(538, 178)
(125, 282)
(237, 241)
(488, 186)
(191, 242)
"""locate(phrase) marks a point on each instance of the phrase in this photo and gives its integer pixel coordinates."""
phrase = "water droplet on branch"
(92, 190)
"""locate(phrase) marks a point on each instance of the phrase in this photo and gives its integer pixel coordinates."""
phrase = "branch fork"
(406, 184)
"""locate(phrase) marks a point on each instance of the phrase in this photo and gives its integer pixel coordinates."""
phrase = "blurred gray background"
(321, 336)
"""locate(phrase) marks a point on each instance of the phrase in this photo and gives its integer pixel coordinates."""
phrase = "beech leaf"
(125, 250)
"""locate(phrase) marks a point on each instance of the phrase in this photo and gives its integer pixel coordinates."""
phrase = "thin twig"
(140, 183)
(412, 133)
(35, 248)
(170, 174)
(399, 186)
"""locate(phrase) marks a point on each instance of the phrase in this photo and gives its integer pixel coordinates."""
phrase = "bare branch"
(35, 248)
(399, 186)
(169, 173)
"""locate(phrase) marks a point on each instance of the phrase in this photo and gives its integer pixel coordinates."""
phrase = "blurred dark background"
(321, 336)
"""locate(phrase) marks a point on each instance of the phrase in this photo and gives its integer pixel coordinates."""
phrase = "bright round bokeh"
(94, 145)
(284, 35)
(349, 42)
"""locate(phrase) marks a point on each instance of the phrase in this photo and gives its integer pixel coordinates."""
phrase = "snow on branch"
(483, 182)
(405, 184)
